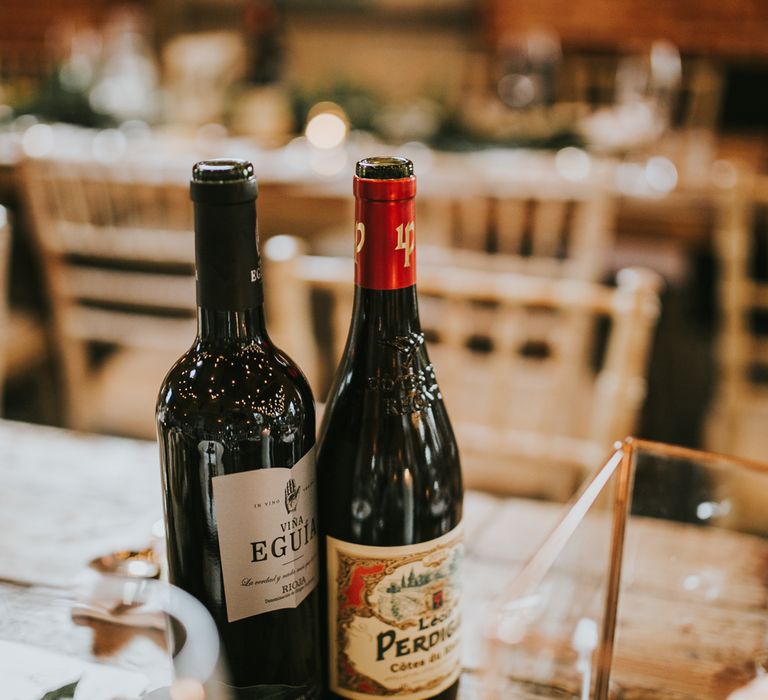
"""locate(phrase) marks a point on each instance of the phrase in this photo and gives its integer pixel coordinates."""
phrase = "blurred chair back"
(739, 410)
(509, 351)
(551, 226)
(117, 253)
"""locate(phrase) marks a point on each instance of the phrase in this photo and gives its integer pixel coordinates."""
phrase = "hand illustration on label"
(291, 496)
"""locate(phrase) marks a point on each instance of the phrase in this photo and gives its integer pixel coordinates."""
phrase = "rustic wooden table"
(67, 498)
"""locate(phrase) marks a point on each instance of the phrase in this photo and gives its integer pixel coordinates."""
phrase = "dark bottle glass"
(236, 427)
(390, 491)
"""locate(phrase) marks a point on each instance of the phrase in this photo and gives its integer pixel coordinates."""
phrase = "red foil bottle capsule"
(385, 233)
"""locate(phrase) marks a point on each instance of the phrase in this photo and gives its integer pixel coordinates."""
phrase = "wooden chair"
(555, 228)
(738, 416)
(531, 411)
(117, 254)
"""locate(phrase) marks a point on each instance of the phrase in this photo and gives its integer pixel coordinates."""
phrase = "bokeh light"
(38, 140)
(661, 174)
(327, 126)
(573, 163)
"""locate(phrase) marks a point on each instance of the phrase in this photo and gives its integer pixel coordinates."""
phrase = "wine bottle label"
(267, 531)
(385, 235)
(394, 617)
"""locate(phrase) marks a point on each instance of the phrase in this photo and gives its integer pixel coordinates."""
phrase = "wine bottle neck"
(244, 326)
(229, 288)
(387, 313)
(227, 261)
(385, 307)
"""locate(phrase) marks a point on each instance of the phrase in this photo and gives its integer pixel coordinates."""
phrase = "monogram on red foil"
(385, 233)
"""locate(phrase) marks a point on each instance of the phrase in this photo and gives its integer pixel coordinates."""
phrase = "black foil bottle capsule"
(236, 427)
(390, 492)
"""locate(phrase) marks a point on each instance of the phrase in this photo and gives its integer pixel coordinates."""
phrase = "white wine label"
(267, 529)
(394, 615)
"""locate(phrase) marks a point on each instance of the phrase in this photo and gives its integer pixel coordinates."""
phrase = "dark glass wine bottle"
(390, 492)
(236, 427)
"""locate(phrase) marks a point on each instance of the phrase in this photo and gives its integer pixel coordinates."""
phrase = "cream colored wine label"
(394, 615)
(267, 529)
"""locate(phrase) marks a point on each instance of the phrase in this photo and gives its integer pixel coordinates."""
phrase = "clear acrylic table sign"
(653, 584)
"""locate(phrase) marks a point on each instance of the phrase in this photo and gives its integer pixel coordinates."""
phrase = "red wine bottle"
(390, 492)
(236, 427)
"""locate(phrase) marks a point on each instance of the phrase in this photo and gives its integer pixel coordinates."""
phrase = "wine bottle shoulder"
(387, 390)
(367, 424)
(387, 461)
(240, 386)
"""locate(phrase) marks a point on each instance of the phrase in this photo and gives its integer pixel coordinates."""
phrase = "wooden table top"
(67, 498)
